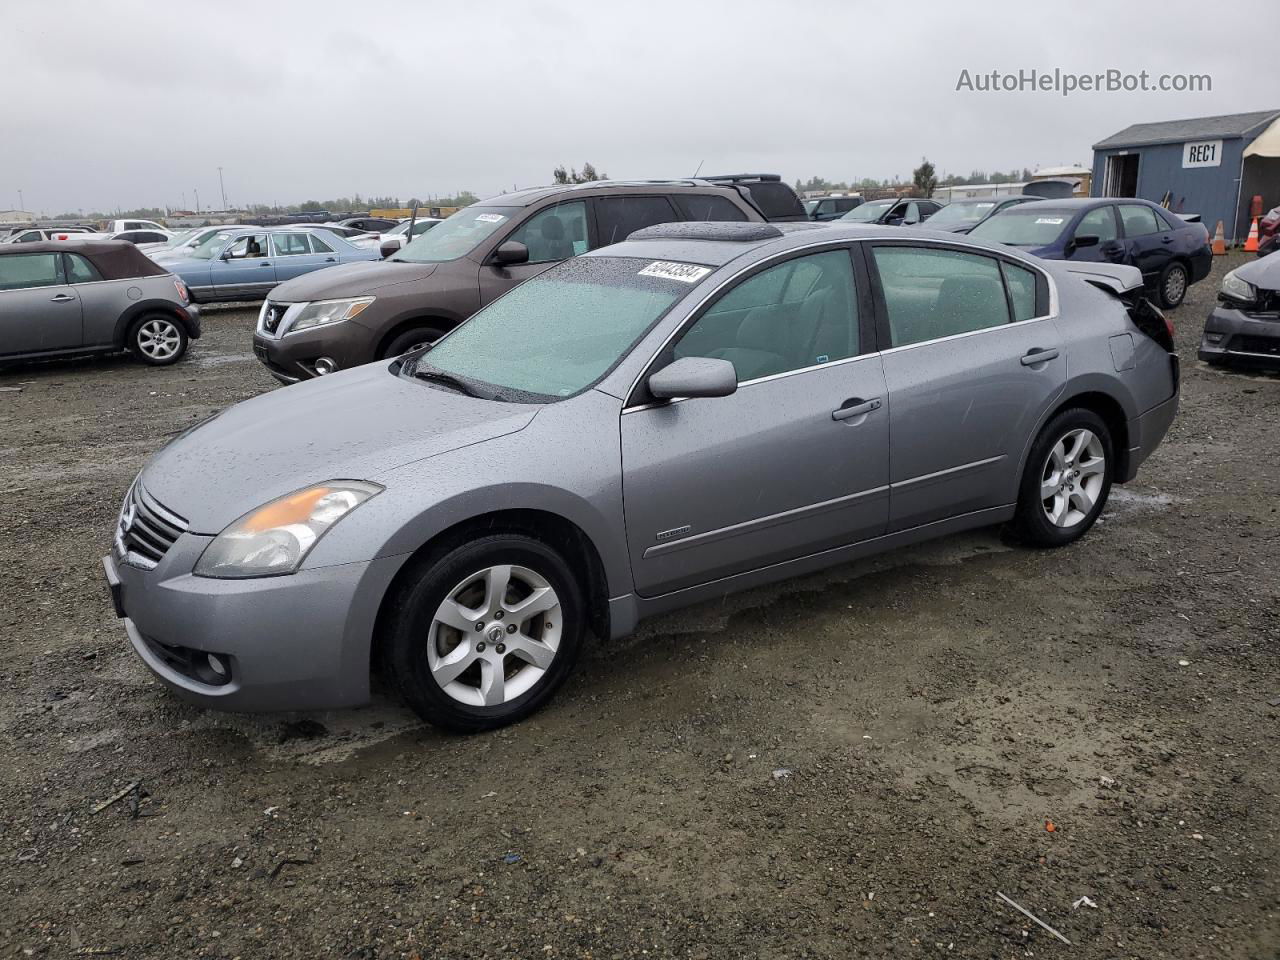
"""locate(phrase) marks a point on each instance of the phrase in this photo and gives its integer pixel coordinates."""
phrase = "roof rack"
(737, 177)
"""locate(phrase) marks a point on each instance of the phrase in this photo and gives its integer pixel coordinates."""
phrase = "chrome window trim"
(846, 243)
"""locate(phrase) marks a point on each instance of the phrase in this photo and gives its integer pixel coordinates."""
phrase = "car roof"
(114, 259)
(532, 195)
(718, 243)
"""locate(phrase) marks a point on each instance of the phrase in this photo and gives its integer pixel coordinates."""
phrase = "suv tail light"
(182, 290)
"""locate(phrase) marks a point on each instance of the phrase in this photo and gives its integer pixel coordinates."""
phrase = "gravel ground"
(851, 764)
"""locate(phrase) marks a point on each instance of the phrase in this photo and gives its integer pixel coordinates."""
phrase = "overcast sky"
(127, 104)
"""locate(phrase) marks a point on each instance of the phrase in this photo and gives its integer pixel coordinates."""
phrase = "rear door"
(39, 310)
(794, 462)
(293, 256)
(1148, 242)
(553, 233)
(973, 362)
(619, 217)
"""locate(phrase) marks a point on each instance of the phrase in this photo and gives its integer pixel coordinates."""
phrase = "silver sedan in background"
(700, 409)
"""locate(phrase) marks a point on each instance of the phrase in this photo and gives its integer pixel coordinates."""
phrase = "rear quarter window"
(708, 207)
(775, 199)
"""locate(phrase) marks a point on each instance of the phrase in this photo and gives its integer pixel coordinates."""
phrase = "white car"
(120, 226)
(397, 235)
(183, 242)
(36, 234)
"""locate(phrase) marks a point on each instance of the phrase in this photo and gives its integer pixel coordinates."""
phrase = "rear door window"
(290, 244)
(619, 217)
(319, 246)
(22, 271)
(775, 199)
(554, 233)
(80, 270)
(699, 206)
(1138, 220)
(930, 294)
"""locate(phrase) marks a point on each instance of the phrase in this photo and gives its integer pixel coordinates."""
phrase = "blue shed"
(1212, 166)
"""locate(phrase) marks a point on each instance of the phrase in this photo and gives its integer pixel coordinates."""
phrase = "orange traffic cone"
(1219, 243)
(1251, 242)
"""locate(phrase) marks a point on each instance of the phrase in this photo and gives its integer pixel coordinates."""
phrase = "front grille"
(272, 316)
(147, 529)
(1265, 345)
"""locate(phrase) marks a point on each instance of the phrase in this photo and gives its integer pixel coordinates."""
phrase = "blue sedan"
(245, 263)
(1171, 253)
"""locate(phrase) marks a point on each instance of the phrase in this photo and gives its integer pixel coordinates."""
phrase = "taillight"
(182, 290)
(1168, 325)
(59, 236)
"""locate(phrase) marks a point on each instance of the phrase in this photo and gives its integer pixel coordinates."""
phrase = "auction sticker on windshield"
(490, 218)
(669, 270)
(1053, 220)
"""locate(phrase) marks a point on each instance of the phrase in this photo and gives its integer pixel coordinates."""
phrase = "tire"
(1073, 457)
(509, 667)
(1174, 280)
(158, 340)
(411, 340)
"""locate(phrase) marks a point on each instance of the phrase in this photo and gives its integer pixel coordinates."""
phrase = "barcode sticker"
(669, 270)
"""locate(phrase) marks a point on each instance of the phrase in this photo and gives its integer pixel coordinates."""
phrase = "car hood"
(350, 280)
(1263, 273)
(356, 425)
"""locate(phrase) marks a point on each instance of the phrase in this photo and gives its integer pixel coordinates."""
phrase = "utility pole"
(21, 203)
(223, 187)
(197, 199)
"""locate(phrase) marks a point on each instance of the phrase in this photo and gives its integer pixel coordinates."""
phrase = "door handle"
(330, 260)
(1166, 240)
(61, 298)
(265, 263)
(1033, 357)
(855, 407)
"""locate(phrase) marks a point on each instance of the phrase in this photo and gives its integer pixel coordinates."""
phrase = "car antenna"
(695, 173)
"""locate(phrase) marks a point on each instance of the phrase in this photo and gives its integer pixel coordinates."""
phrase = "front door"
(974, 363)
(39, 311)
(1099, 222)
(552, 234)
(794, 462)
(245, 269)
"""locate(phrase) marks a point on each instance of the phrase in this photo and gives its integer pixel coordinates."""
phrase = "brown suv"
(356, 313)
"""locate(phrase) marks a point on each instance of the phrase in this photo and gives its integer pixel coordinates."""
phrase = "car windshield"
(457, 236)
(179, 238)
(1025, 225)
(558, 333)
(810, 206)
(963, 211)
(868, 211)
(210, 245)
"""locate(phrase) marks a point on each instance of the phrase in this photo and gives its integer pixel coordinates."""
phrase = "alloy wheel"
(159, 339)
(494, 635)
(1072, 478)
(1175, 285)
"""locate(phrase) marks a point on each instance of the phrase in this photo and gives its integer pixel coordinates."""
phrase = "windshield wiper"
(448, 380)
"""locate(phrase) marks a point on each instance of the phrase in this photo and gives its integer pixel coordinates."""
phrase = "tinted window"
(146, 236)
(290, 244)
(707, 207)
(1172, 221)
(1138, 220)
(556, 334)
(30, 270)
(797, 314)
(775, 199)
(1100, 223)
(1022, 290)
(319, 246)
(80, 270)
(619, 217)
(939, 293)
(556, 233)
(31, 236)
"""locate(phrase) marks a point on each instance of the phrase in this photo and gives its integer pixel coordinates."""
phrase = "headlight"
(275, 538)
(1237, 289)
(328, 311)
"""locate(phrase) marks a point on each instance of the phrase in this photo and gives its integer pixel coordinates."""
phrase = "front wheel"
(412, 340)
(1173, 285)
(1066, 481)
(158, 340)
(483, 635)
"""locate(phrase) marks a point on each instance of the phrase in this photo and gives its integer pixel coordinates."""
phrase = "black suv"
(360, 312)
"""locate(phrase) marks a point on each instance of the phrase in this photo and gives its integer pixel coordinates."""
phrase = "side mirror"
(694, 377)
(893, 221)
(226, 254)
(1086, 240)
(509, 253)
(388, 247)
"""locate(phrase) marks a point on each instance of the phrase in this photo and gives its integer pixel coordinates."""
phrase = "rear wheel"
(1066, 481)
(410, 340)
(1173, 285)
(158, 340)
(484, 634)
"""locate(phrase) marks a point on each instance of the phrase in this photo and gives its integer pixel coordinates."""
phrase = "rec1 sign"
(1202, 153)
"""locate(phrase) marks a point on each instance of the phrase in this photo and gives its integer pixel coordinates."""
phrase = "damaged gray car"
(1244, 326)
(701, 409)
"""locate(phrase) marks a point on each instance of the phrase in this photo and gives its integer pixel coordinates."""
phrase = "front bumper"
(295, 642)
(293, 357)
(1231, 334)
